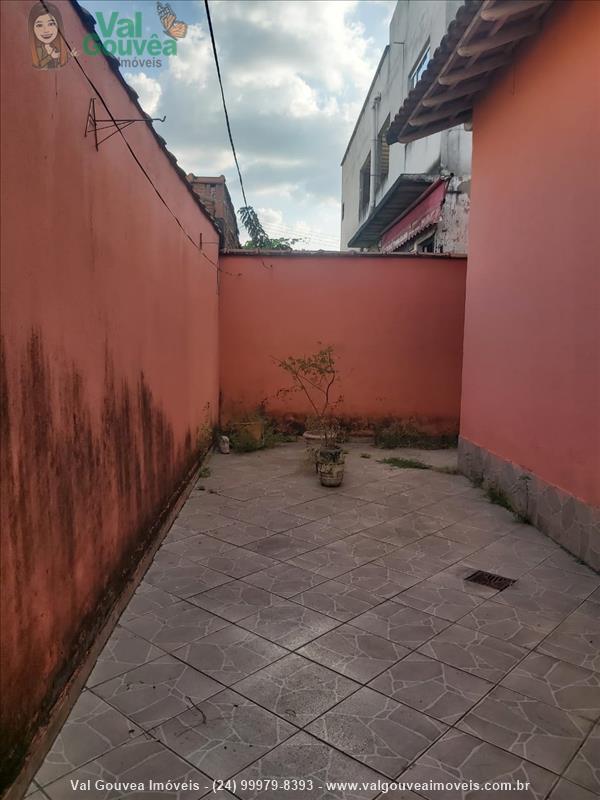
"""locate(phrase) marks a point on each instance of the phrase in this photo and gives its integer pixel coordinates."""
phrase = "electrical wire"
(132, 152)
(216, 57)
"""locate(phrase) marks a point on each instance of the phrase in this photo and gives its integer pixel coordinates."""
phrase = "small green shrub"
(404, 463)
(406, 434)
(204, 472)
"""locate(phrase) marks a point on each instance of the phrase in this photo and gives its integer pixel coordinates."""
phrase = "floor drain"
(498, 582)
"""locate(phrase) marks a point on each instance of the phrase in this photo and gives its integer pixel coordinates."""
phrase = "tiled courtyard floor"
(285, 630)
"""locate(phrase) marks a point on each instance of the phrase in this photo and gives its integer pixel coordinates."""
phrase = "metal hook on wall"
(94, 125)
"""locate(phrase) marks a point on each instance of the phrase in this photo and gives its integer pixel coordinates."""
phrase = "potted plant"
(314, 376)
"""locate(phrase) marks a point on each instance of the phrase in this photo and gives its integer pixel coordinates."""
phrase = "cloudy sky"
(295, 74)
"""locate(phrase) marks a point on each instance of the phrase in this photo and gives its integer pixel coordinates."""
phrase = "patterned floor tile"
(454, 577)
(400, 624)
(418, 559)
(230, 654)
(123, 651)
(281, 546)
(379, 580)
(198, 547)
(565, 790)
(185, 578)
(405, 529)
(549, 591)
(584, 770)
(147, 598)
(224, 734)
(441, 601)
(285, 580)
(430, 686)
(383, 734)
(203, 521)
(175, 625)
(576, 640)
(557, 683)
(362, 517)
(543, 734)
(239, 562)
(484, 656)
(296, 689)
(319, 533)
(361, 548)
(234, 600)
(273, 519)
(338, 600)
(413, 499)
(326, 506)
(467, 534)
(137, 762)
(288, 624)
(157, 691)
(241, 533)
(355, 653)
(523, 628)
(460, 758)
(92, 728)
(327, 562)
(313, 763)
(512, 556)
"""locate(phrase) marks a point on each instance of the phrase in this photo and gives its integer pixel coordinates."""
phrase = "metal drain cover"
(498, 582)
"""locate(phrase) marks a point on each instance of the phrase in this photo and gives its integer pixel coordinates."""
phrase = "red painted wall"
(395, 322)
(109, 362)
(531, 375)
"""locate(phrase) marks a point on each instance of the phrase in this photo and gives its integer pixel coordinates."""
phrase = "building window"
(426, 244)
(419, 68)
(364, 188)
(383, 156)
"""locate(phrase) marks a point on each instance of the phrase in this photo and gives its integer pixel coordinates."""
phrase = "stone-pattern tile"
(404, 529)
(234, 600)
(288, 624)
(319, 533)
(585, 767)
(362, 517)
(338, 600)
(285, 580)
(92, 728)
(185, 578)
(427, 556)
(549, 591)
(454, 577)
(239, 562)
(413, 499)
(485, 656)
(230, 654)
(241, 533)
(441, 601)
(379, 580)
(296, 689)
(224, 734)
(557, 683)
(203, 522)
(273, 519)
(123, 651)
(175, 625)
(281, 546)
(467, 534)
(576, 640)
(140, 761)
(515, 625)
(157, 691)
(147, 598)
(355, 653)
(197, 547)
(543, 734)
(565, 790)
(383, 734)
(430, 686)
(400, 624)
(310, 760)
(458, 757)
(512, 556)
(327, 561)
(326, 506)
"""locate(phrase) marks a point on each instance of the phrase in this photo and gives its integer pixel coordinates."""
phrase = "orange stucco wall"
(109, 362)
(396, 325)
(531, 374)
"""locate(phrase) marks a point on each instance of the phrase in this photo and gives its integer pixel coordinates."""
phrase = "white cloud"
(193, 59)
(148, 89)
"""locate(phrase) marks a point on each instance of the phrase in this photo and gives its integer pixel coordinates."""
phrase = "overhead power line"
(216, 57)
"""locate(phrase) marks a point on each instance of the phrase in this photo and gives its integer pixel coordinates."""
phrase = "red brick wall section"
(109, 369)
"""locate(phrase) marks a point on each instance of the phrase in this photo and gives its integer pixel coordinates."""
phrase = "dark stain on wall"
(82, 499)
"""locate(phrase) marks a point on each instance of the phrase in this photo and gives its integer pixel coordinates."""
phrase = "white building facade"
(412, 197)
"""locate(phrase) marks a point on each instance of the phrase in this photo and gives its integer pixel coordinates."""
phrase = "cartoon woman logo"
(48, 48)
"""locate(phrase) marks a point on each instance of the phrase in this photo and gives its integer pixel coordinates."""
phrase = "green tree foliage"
(259, 239)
